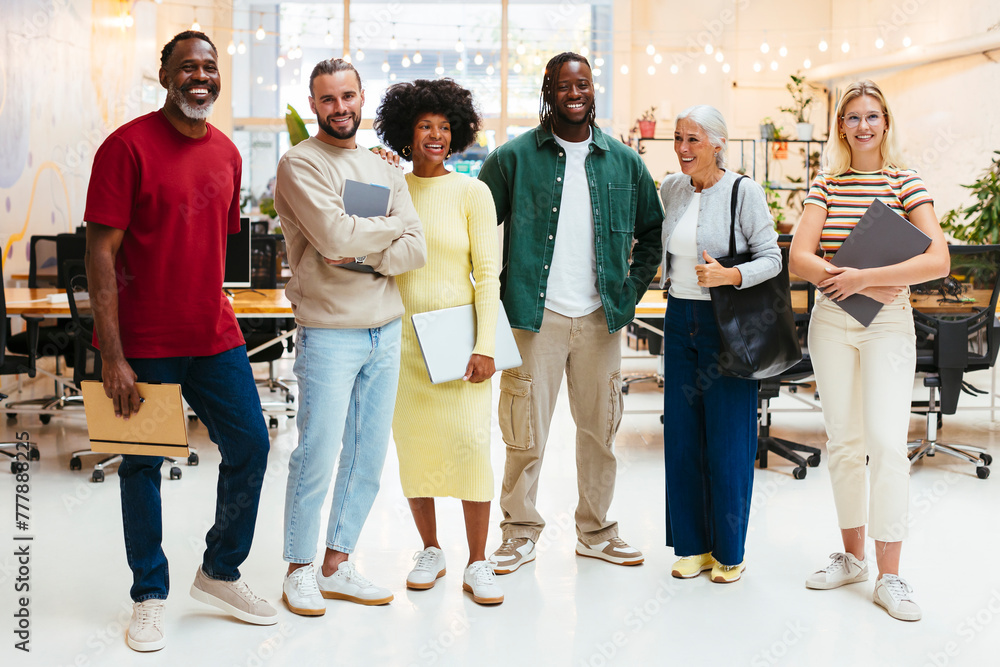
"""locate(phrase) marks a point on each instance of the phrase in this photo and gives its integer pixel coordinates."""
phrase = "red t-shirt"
(177, 198)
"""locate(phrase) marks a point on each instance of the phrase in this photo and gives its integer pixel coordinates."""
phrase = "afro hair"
(403, 103)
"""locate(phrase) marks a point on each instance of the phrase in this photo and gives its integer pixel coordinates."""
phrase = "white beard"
(192, 112)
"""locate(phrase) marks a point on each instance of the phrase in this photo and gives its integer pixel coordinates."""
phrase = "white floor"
(561, 610)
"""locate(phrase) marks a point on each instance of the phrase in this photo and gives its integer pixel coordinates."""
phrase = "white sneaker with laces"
(843, 569)
(615, 550)
(348, 584)
(301, 593)
(481, 581)
(429, 568)
(512, 554)
(896, 596)
(145, 630)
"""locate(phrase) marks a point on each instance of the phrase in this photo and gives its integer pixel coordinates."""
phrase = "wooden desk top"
(245, 302)
(654, 303)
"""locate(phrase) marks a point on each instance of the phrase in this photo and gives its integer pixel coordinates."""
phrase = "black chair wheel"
(192, 418)
(75, 463)
(175, 473)
(982, 472)
(799, 472)
(97, 477)
(661, 419)
(15, 467)
(625, 389)
(45, 419)
(35, 455)
(11, 415)
(272, 422)
(289, 398)
(193, 459)
(813, 461)
(987, 459)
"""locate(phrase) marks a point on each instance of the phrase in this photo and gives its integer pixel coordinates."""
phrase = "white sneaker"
(896, 597)
(348, 584)
(145, 630)
(429, 568)
(512, 554)
(480, 580)
(843, 569)
(615, 550)
(301, 594)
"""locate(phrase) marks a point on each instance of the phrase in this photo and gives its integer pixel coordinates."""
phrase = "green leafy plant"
(802, 98)
(982, 218)
(297, 131)
(774, 205)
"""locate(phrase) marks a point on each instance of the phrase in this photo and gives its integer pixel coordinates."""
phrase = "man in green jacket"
(573, 201)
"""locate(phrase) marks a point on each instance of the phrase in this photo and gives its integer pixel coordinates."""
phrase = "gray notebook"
(448, 336)
(882, 237)
(365, 200)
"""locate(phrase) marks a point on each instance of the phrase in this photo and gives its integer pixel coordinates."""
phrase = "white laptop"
(448, 336)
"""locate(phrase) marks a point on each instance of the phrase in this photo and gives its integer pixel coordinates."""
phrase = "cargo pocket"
(616, 404)
(514, 411)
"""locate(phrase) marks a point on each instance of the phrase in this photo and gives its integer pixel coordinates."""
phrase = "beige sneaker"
(233, 597)
(512, 554)
(615, 550)
(145, 630)
(688, 567)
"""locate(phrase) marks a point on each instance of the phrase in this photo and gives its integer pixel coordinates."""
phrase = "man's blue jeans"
(221, 391)
(709, 438)
(347, 382)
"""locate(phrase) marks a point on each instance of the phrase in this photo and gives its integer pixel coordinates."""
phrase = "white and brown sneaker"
(615, 550)
(512, 554)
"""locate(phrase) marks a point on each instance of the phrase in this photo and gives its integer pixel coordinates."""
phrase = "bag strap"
(732, 216)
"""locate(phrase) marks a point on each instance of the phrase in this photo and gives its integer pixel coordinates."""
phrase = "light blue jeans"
(347, 391)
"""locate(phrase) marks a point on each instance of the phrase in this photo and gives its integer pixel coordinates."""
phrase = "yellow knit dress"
(442, 432)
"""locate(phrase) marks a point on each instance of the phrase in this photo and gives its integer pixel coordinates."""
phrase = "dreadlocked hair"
(547, 98)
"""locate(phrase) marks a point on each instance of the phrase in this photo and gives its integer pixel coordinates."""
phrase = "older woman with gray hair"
(709, 419)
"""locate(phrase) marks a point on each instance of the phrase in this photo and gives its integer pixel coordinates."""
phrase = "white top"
(683, 249)
(572, 284)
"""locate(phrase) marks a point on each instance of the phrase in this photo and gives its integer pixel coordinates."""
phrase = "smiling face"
(192, 79)
(695, 152)
(865, 139)
(431, 142)
(337, 100)
(574, 94)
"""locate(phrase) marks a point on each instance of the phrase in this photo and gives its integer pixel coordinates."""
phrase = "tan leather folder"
(158, 429)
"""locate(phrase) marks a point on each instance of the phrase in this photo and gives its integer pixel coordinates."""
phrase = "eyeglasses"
(873, 118)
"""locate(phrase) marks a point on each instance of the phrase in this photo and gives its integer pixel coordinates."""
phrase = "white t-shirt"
(683, 249)
(572, 285)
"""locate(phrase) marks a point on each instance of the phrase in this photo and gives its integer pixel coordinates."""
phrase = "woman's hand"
(480, 368)
(338, 262)
(884, 295)
(713, 274)
(843, 283)
(387, 155)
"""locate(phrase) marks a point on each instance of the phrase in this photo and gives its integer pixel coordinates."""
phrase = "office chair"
(88, 366)
(950, 344)
(13, 364)
(53, 340)
(791, 379)
(257, 331)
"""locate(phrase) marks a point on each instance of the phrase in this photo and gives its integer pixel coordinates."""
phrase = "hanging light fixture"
(328, 40)
(907, 41)
(764, 46)
(194, 24)
(702, 69)
(674, 69)
(260, 34)
(650, 49)
(479, 58)
(658, 59)
(757, 66)
(726, 67)
(823, 46)
(359, 55)
(624, 69)
(517, 68)
(774, 65)
(584, 51)
(405, 62)
(783, 51)
(385, 65)
(879, 43)
(231, 49)
(490, 69)
(846, 46)
(806, 64)
(439, 70)
(280, 62)
(708, 49)
(719, 57)
(417, 58)
(651, 69)
(241, 48)
(599, 61)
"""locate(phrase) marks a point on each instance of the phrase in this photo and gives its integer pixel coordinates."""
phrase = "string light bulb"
(520, 48)
(517, 68)
(231, 49)
(765, 47)
(907, 41)
(726, 67)
(599, 62)
(385, 66)
(657, 59)
(490, 69)
(845, 47)
(459, 46)
(757, 66)
(708, 49)
(774, 65)
(584, 51)
(439, 70)
(417, 57)
(479, 58)
(359, 55)
(405, 62)
(651, 69)
(806, 64)
(280, 62)
(194, 24)
(241, 48)
(823, 46)
(879, 43)
(624, 69)
(328, 40)
(674, 69)
(460, 65)
(702, 69)
(260, 34)
(650, 49)
(783, 51)
(719, 57)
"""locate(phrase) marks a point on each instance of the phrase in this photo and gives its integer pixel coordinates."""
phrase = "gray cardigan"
(754, 227)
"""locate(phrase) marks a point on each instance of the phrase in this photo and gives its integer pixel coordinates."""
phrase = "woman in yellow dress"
(442, 432)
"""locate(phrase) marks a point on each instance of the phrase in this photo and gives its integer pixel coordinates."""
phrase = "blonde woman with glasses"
(865, 375)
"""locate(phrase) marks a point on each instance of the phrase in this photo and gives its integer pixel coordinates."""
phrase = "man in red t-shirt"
(164, 193)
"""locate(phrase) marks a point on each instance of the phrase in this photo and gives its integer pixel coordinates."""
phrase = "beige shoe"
(145, 630)
(727, 574)
(233, 597)
(691, 566)
(615, 550)
(893, 594)
(512, 554)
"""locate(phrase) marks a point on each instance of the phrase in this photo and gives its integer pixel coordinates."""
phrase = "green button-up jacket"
(525, 176)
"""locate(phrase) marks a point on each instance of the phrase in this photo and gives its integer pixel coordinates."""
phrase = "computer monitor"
(238, 268)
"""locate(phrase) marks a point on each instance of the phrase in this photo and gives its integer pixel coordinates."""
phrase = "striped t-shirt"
(848, 196)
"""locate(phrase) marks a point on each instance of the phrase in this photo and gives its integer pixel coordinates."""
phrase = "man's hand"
(480, 368)
(713, 274)
(119, 385)
(844, 282)
(387, 155)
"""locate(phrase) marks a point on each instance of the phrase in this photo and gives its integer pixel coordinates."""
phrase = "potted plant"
(983, 216)
(646, 124)
(802, 99)
(768, 132)
(296, 132)
(777, 213)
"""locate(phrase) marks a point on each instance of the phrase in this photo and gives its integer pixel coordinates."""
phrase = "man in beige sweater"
(347, 308)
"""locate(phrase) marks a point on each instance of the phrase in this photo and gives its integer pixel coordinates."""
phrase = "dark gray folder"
(365, 200)
(882, 237)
